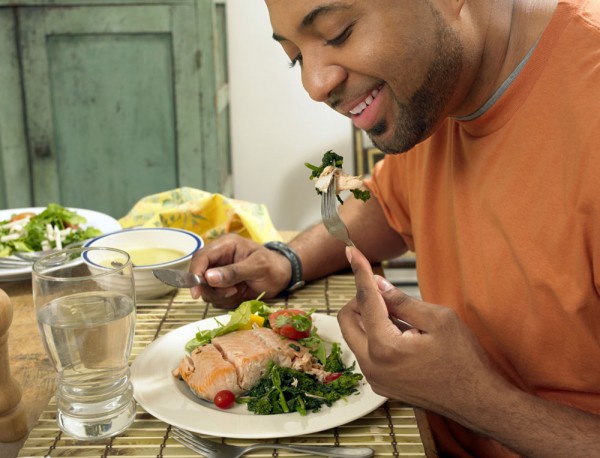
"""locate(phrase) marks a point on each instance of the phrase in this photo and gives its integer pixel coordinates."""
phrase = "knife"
(178, 278)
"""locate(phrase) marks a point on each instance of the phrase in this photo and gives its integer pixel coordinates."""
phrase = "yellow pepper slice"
(259, 320)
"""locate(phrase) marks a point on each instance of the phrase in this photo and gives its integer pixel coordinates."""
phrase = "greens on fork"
(331, 163)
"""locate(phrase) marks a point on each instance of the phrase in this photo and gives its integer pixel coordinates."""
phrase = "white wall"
(276, 127)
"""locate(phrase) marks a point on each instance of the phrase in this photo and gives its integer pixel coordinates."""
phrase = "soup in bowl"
(152, 248)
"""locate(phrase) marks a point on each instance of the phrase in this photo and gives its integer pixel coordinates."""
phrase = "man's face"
(390, 65)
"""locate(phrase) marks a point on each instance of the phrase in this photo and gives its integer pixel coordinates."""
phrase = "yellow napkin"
(208, 215)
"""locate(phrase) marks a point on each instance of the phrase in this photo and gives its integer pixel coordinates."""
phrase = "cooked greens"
(361, 195)
(284, 390)
(329, 158)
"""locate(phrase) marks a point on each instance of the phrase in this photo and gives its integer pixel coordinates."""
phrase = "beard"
(421, 114)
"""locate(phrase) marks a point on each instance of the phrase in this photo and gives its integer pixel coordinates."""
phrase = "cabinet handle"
(42, 150)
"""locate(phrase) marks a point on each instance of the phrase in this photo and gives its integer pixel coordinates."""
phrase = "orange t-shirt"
(503, 213)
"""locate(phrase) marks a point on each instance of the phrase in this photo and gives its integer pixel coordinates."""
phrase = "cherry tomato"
(331, 377)
(291, 323)
(224, 399)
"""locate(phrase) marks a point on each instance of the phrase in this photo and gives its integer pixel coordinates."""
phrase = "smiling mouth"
(358, 109)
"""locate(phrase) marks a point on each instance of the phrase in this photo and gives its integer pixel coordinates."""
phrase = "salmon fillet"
(284, 354)
(206, 373)
(238, 360)
(248, 353)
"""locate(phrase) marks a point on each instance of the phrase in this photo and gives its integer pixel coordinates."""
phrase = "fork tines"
(205, 447)
(330, 216)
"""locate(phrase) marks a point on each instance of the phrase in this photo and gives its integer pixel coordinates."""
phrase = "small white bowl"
(147, 286)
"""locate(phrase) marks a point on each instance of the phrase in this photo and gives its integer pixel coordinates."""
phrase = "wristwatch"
(296, 281)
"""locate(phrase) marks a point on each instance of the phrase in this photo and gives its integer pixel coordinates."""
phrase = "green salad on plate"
(54, 227)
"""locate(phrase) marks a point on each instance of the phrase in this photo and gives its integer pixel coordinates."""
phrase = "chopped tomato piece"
(291, 323)
(331, 377)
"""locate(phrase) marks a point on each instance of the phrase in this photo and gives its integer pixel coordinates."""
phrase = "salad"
(285, 389)
(55, 227)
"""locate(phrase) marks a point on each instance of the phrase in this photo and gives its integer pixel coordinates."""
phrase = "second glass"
(85, 309)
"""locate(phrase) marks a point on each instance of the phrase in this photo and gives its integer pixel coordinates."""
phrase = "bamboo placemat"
(391, 430)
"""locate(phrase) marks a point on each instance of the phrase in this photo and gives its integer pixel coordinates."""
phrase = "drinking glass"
(85, 307)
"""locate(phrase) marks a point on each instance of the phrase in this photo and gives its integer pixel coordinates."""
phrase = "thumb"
(223, 276)
(248, 269)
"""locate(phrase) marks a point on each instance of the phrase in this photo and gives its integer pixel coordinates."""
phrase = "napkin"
(206, 214)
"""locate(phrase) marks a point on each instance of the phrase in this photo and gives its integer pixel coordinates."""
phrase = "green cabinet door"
(114, 103)
(215, 95)
(15, 189)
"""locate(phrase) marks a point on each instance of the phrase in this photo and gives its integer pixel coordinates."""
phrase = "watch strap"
(296, 281)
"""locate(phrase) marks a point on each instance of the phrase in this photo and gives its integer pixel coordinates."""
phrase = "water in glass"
(87, 329)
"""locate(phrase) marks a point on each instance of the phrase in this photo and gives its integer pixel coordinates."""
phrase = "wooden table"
(29, 364)
(393, 429)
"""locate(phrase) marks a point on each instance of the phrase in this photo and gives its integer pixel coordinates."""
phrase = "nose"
(320, 77)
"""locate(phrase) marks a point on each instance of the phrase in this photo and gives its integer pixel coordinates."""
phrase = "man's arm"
(321, 254)
(237, 268)
(533, 426)
(444, 369)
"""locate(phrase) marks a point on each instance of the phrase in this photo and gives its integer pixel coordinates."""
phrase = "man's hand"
(439, 365)
(238, 269)
(443, 368)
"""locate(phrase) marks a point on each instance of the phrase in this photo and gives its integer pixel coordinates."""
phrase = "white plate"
(94, 219)
(170, 400)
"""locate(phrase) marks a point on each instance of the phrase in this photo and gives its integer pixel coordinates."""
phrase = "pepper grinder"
(13, 418)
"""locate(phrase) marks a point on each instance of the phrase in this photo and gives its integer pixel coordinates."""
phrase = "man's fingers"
(369, 301)
(225, 298)
(353, 330)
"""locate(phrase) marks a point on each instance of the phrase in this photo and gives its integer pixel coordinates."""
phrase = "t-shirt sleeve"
(388, 183)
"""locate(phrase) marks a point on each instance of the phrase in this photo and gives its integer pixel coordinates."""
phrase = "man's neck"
(513, 28)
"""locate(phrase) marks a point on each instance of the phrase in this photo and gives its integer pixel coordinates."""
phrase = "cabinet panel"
(114, 128)
(215, 95)
(112, 96)
(222, 84)
(15, 188)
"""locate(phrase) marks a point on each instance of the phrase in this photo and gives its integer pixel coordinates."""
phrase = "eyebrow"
(312, 16)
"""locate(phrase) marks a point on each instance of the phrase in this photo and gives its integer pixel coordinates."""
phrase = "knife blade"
(178, 278)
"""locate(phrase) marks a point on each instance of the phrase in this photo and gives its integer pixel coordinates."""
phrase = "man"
(494, 105)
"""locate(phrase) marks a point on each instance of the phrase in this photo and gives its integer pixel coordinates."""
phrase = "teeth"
(358, 109)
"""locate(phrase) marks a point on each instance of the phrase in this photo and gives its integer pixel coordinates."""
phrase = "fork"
(212, 449)
(32, 256)
(329, 214)
(338, 229)
(14, 263)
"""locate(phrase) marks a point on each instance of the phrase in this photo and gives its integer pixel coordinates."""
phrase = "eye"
(296, 60)
(342, 37)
